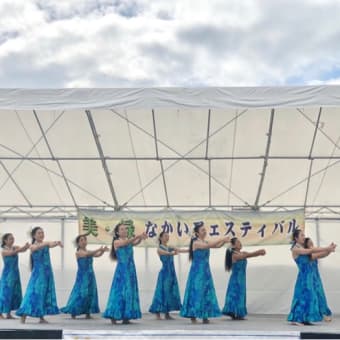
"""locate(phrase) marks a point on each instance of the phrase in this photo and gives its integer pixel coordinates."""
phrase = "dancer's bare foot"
(193, 320)
(205, 321)
(73, 317)
(158, 316)
(240, 318)
(1, 317)
(168, 316)
(10, 316)
(42, 320)
(113, 321)
(126, 322)
(232, 315)
(327, 318)
(88, 316)
(23, 319)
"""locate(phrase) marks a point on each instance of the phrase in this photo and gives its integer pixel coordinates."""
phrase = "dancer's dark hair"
(160, 237)
(194, 238)
(4, 239)
(113, 253)
(33, 232)
(228, 262)
(76, 241)
(305, 242)
(295, 235)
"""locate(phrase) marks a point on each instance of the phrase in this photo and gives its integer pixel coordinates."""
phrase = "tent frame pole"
(102, 158)
(265, 162)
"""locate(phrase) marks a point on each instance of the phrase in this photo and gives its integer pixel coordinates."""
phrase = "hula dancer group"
(309, 302)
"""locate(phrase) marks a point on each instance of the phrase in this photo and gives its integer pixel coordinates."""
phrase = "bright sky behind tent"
(144, 43)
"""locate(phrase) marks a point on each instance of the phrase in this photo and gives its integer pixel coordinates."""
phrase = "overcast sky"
(142, 43)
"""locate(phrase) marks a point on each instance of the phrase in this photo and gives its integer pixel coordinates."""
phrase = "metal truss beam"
(52, 155)
(22, 158)
(185, 158)
(106, 207)
(207, 139)
(182, 157)
(69, 212)
(164, 185)
(310, 156)
(15, 183)
(155, 133)
(265, 162)
(209, 183)
(102, 158)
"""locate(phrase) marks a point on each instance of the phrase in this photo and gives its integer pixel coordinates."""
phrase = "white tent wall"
(270, 279)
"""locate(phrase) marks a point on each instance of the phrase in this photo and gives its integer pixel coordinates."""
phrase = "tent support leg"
(317, 226)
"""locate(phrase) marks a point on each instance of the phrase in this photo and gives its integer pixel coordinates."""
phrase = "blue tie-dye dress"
(123, 302)
(324, 309)
(40, 297)
(84, 296)
(305, 304)
(235, 299)
(166, 297)
(10, 286)
(200, 297)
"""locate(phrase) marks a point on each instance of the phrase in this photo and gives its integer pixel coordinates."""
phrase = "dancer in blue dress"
(305, 305)
(10, 285)
(84, 297)
(324, 309)
(200, 297)
(40, 298)
(167, 297)
(123, 301)
(235, 304)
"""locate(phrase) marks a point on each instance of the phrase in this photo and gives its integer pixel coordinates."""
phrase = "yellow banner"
(252, 228)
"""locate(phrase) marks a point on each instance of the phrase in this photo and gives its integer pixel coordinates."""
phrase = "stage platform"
(255, 327)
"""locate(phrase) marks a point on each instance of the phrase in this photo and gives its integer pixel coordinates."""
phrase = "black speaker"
(319, 335)
(31, 333)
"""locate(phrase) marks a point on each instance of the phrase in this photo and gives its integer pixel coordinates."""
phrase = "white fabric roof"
(235, 148)
(152, 98)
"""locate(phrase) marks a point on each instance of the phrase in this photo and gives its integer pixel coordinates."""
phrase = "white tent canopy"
(266, 148)
(173, 97)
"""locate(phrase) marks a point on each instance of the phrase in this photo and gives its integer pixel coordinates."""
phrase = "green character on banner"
(90, 226)
(128, 223)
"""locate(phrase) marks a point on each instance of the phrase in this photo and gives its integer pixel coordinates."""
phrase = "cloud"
(66, 9)
(102, 43)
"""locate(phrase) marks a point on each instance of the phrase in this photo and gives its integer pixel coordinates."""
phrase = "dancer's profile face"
(165, 238)
(9, 240)
(202, 232)
(122, 231)
(301, 238)
(39, 235)
(82, 243)
(238, 244)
